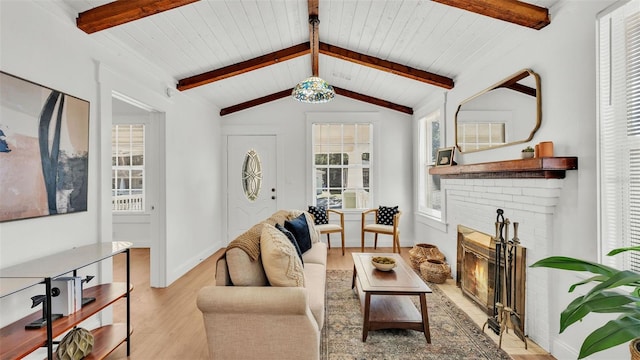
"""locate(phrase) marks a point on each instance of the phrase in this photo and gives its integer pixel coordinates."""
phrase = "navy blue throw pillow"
(385, 215)
(300, 231)
(292, 239)
(319, 215)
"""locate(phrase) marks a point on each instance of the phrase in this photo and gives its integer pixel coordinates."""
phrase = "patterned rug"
(453, 334)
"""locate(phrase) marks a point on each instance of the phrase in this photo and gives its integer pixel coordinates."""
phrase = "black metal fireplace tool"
(505, 314)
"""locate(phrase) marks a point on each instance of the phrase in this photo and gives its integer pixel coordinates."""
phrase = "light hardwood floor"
(168, 325)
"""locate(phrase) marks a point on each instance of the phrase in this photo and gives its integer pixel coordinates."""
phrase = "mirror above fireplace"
(506, 113)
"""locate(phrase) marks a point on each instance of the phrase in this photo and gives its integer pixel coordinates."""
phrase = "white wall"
(39, 42)
(563, 54)
(287, 119)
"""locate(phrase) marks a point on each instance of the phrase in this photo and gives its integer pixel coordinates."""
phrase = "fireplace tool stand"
(505, 313)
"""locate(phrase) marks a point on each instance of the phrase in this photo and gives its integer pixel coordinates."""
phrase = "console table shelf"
(535, 168)
(17, 342)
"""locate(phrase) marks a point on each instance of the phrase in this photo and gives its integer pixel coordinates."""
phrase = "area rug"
(453, 334)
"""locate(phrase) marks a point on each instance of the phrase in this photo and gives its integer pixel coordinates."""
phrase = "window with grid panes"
(127, 168)
(342, 164)
(619, 133)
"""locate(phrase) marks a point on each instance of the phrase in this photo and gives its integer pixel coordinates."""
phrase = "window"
(429, 193)
(619, 133)
(127, 168)
(342, 165)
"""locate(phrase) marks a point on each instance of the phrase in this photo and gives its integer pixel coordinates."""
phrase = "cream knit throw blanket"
(249, 241)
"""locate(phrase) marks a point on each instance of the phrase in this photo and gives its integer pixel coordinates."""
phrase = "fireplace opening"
(476, 273)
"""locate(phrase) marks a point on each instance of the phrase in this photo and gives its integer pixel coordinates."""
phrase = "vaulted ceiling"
(241, 53)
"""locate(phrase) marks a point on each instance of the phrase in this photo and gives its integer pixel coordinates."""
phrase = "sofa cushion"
(298, 226)
(293, 240)
(319, 214)
(243, 271)
(315, 278)
(313, 232)
(280, 259)
(316, 255)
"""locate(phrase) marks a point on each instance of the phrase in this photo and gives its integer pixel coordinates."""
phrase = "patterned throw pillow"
(281, 263)
(319, 214)
(385, 215)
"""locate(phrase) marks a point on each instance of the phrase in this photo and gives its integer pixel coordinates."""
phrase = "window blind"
(619, 129)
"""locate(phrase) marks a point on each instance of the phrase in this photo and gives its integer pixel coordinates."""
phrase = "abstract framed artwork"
(44, 150)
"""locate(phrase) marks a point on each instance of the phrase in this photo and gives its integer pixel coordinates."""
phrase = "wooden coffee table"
(382, 295)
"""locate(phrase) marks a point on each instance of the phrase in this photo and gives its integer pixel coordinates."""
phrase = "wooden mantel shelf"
(536, 168)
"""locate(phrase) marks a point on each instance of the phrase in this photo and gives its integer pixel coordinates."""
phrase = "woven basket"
(634, 345)
(421, 252)
(435, 271)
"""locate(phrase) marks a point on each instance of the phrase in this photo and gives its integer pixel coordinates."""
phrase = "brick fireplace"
(472, 203)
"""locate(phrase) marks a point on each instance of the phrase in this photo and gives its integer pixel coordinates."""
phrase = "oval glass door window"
(251, 175)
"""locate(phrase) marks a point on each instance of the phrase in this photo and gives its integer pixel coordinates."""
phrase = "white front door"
(251, 181)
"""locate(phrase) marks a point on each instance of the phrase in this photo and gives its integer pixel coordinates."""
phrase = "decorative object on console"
(76, 345)
(42, 299)
(445, 157)
(609, 295)
(528, 152)
(47, 131)
(423, 252)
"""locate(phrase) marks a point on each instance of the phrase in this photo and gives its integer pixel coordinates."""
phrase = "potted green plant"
(527, 153)
(617, 291)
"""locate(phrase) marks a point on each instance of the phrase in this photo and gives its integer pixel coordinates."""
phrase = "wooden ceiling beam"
(374, 101)
(314, 36)
(513, 11)
(385, 65)
(121, 12)
(243, 67)
(256, 102)
(287, 93)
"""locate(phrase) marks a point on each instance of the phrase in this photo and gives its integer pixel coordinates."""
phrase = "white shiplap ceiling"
(211, 34)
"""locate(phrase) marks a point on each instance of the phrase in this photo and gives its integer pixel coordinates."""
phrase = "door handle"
(273, 198)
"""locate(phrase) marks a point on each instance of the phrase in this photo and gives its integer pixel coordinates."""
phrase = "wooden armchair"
(333, 227)
(374, 227)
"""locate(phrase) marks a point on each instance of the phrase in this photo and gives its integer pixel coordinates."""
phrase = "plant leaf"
(602, 302)
(619, 250)
(620, 278)
(568, 263)
(613, 333)
(599, 278)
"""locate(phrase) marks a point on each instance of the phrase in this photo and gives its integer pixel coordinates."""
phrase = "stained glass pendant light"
(313, 89)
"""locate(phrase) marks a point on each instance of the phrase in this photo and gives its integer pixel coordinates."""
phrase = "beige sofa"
(266, 311)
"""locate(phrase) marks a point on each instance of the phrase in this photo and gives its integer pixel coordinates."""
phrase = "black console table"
(17, 342)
